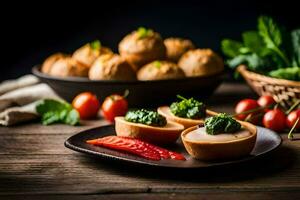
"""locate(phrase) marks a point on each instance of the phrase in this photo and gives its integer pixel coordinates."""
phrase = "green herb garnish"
(188, 108)
(144, 32)
(53, 111)
(147, 117)
(269, 50)
(95, 45)
(222, 123)
(290, 73)
(157, 64)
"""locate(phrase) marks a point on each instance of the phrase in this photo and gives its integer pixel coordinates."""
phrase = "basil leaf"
(290, 73)
(72, 117)
(255, 43)
(295, 36)
(272, 35)
(253, 61)
(231, 48)
(53, 111)
(269, 31)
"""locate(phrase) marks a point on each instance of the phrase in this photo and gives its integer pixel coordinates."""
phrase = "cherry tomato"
(274, 119)
(245, 105)
(266, 101)
(292, 118)
(114, 105)
(87, 105)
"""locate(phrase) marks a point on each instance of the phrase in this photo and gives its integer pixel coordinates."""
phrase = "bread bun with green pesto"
(159, 70)
(141, 47)
(88, 53)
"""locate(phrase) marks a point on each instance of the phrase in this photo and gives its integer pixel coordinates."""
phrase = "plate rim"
(153, 164)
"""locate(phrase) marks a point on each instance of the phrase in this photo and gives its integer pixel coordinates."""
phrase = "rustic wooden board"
(34, 162)
(166, 196)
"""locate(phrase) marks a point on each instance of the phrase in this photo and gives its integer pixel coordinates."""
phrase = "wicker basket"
(283, 91)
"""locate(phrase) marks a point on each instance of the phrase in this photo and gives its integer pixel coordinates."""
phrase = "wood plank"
(38, 129)
(179, 196)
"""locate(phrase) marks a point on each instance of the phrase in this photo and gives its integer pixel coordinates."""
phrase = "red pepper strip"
(128, 145)
(136, 147)
(176, 156)
(165, 154)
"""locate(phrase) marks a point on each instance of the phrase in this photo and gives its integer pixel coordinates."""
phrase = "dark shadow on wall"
(29, 33)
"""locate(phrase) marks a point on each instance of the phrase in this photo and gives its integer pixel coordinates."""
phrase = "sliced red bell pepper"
(137, 147)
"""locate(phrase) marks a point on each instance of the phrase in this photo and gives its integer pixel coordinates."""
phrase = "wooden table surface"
(34, 164)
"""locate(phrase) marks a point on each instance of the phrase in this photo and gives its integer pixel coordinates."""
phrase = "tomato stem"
(126, 93)
(291, 135)
(250, 117)
(292, 107)
(252, 110)
(180, 97)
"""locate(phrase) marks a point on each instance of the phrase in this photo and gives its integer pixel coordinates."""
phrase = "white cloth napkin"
(19, 102)
(21, 82)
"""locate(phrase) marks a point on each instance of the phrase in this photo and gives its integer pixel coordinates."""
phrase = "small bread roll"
(159, 70)
(88, 53)
(176, 47)
(67, 66)
(201, 62)
(47, 65)
(111, 67)
(141, 47)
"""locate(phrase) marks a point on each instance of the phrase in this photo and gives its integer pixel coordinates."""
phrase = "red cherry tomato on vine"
(266, 101)
(86, 104)
(243, 106)
(292, 118)
(113, 106)
(274, 119)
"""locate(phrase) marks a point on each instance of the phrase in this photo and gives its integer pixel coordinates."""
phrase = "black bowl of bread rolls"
(152, 69)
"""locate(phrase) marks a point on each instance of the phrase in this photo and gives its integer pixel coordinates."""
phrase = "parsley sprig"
(144, 32)
(188, 108)
(269, 50)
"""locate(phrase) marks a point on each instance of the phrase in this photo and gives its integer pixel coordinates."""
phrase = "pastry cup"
(153, 134)
(207, 150)
(166, 112)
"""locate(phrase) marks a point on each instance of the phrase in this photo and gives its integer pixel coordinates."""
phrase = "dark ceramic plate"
(142, 93)
(266, 142)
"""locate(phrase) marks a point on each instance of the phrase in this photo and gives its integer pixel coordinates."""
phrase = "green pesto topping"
(188, 108)
(222, 123)
(148, 117)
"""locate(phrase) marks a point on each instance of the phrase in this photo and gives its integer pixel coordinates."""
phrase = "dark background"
(31, 32)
